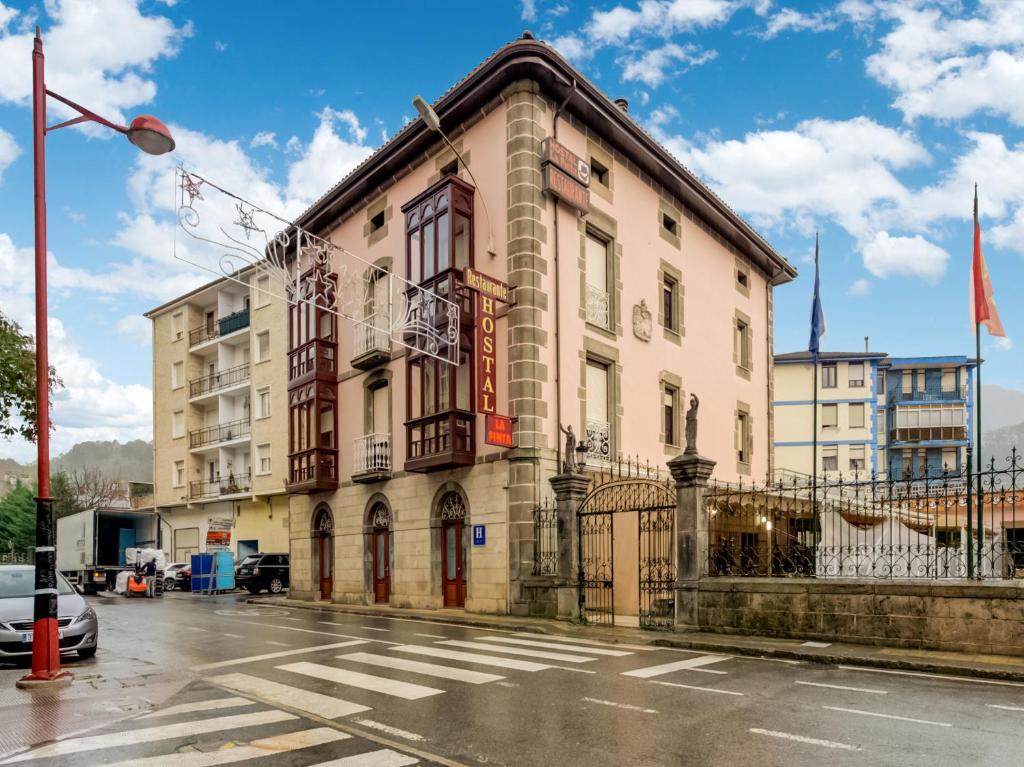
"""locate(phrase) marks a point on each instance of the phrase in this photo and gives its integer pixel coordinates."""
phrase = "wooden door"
(381, 567)
(453, 564)
(326, 564)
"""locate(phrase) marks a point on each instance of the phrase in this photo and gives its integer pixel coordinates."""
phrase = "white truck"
(91, 544)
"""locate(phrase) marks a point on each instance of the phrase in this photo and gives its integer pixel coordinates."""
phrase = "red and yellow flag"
(983, 305)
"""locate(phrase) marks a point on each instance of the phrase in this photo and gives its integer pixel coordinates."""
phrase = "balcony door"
(380, 422)
(453, 550)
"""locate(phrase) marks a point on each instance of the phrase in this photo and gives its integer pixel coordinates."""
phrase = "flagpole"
(977, 449)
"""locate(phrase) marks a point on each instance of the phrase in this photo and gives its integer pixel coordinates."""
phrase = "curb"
(704, 645)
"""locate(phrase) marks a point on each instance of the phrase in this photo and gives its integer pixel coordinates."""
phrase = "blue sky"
(867, 121)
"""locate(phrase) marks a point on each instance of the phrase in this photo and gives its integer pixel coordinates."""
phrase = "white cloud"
(136, 329)
(573, 47)
(264, 138)
(950, 67)
(9, 150)
(1000, 344)
(529, 10)
(661, 17)
(860, 287)
(651, 67)
(329, 157)
(220, 46)
(886, 256)
(7, 15)
(559, 10)
(293, 145)
(789, 20)
(99, 51)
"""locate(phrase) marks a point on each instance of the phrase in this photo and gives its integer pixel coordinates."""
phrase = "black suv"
(262, 571)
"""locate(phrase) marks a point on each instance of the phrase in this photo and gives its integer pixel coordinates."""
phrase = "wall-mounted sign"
(498, 430)
(566, 189)
(570, 162)
(479, 535)
(218, 533)
(488, 290)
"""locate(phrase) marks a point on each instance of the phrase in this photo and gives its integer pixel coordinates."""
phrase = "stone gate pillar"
(691, 473)
(570, 489)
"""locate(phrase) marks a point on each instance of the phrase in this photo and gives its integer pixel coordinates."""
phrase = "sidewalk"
(1003, 667)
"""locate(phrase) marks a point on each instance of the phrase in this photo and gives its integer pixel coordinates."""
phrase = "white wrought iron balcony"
(599, 442)
(371, 342)
(371, 457)
(598, 312)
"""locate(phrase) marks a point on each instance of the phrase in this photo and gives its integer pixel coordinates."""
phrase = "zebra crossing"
(347, 683)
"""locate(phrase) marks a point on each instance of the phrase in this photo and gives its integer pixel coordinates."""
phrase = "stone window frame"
(744, 409)
(376, 380)
(270, 403)
(607, 161)
(675, 335)
(174, 474)
(177, 326)
(445, 157)
(257, 469)
(746, 338)
(377, 207)
(666, 380)
(256, 347)
(594, 351)
(175, 434)
(177, 378)
(666, 210)
(742, 269)
(603, 227)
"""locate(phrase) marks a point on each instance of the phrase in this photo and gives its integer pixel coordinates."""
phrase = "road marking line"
(804, 739)
(842, 687)
(696, 687)
(418, 667)
(816, 644)
(234, 636)
(314, 631)
(431, 636)
(202, 705)
(273, 746)
(680, 665)
(594, 642)
(383, 758)
(887, 716)
(372, 628)
(380, 684)
(1004, 708)
(279, 644)
(281, 654)
(627, 706)
(282, 618)
(949, 677)
(325, 706)
(556, 646)
(519, 651)
(390, 730)
(470, 657)
(151, 734)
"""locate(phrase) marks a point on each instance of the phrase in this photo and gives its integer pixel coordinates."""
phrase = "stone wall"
(938, 616)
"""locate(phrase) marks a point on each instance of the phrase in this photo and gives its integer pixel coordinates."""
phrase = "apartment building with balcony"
(220, 418)
(621, 308)
(896, 417)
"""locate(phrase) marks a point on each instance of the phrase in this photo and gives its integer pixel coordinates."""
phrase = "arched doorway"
(380, 544)
(452, 512)
(323, 550)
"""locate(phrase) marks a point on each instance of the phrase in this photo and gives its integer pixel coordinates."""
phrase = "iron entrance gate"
(651, 551)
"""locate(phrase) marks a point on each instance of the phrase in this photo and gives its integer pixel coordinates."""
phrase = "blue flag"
(817, 313)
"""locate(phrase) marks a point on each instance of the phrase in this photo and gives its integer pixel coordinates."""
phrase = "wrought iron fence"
(545, 540)
(958, 525)
(218, 327)
(222, 432)
(219, 380)
(232, 484)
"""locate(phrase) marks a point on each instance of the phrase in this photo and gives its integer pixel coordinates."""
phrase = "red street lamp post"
(151, 136)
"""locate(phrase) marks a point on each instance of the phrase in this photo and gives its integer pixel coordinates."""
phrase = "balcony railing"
(951, 395)
(374, 336)
(313, 470)
(598, 307)
(219, 327)
(223, 432)
(439, 441)
(233, 484)
(371, 454)
(599, 441)
(219, 380)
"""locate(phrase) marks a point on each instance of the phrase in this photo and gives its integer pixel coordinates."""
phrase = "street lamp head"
(427, 113)
(150, 135)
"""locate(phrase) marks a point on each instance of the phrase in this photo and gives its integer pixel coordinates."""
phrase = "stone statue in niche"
(642, 322)
(691, 426)
(569, 456)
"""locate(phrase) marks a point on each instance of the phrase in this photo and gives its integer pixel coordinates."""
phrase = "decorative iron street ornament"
(258, 243)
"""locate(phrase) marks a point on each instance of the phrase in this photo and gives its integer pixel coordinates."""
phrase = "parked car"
(77, 627)
(178, 576)
(262, 571)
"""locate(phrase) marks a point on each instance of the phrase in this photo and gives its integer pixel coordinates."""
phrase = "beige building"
(220, 420)
(633, 288)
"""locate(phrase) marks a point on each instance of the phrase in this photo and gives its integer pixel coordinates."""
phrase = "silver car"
(77, 627)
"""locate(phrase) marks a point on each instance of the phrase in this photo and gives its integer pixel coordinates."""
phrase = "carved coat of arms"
(642, 323)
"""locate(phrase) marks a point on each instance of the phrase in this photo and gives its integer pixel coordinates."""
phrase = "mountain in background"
(1001, 407)
(998, 443)
(132, 461)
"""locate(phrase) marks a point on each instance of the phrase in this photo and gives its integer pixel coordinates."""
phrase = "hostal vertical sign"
(489, 292)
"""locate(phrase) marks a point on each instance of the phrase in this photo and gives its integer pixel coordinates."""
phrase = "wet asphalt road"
(267, 686)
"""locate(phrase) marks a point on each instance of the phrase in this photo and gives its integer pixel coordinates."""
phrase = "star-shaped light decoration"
(245, 219)
(190, 185)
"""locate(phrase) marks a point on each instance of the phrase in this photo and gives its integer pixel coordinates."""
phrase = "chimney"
(622, 104)
(865, 344)
(527, 34)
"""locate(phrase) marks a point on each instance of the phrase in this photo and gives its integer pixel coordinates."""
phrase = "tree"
(18, 520)
(18, 382)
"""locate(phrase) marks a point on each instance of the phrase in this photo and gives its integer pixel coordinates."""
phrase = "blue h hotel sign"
(479, 535)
